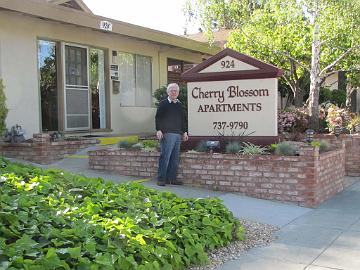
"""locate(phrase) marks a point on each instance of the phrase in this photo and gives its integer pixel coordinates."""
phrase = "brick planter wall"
(41, 150)
(352, 152)
(307, 180)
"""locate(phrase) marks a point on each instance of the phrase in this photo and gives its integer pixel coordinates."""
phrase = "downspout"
(159, 68)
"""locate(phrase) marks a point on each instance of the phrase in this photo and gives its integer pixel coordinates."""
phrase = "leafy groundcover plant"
(51, 219)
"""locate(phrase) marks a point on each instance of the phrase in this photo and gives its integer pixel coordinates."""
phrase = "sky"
(163, 15)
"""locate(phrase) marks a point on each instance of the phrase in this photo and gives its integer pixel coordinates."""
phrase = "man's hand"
(159, 135)
(185, 137)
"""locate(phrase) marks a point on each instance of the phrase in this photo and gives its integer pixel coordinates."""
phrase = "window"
(135, 80)
(175, 68)
(48, 85)
(97, 88)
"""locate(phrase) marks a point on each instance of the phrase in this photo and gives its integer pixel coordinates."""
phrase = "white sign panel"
(232, 108)
(114, 72)
(228, 63)
(105, 25)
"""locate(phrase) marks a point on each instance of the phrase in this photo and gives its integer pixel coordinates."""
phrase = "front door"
(77, 106)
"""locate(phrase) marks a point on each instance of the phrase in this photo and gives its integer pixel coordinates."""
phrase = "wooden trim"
(230, 75)
(107, 87)
(60, 85)
(258, 140)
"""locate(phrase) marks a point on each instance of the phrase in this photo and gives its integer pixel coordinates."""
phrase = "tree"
(335, 43)
(315, 37)
(275, 37)
(226, 14)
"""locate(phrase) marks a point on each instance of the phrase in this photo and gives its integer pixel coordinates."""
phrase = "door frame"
(64, 86)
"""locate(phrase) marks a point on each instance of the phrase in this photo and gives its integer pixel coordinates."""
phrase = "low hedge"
(50, 219)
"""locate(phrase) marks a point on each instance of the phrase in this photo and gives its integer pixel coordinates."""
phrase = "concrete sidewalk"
(327, 237)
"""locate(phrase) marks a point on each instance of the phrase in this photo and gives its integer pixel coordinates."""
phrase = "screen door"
(77, 107)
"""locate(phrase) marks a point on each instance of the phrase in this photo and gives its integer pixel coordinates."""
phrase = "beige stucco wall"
(19, 72)
(18, 66)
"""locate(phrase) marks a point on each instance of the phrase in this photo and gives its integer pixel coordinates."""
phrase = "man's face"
(173, 93)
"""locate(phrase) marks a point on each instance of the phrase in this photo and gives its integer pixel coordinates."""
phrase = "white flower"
(32, 185)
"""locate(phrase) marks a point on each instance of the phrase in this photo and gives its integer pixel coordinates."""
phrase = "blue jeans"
(169, 157)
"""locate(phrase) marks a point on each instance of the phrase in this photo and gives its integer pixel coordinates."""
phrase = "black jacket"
(170, 117)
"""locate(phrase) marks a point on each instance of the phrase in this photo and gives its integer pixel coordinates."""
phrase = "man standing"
(170, 129)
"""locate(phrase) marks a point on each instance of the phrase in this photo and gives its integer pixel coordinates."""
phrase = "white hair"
(172, 86)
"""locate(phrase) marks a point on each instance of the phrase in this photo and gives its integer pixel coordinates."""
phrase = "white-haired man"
(170, 129)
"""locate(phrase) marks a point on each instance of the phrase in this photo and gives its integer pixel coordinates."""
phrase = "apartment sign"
(230, 95)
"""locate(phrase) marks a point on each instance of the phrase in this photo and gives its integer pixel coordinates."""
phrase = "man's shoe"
(176, 182)
(161, 183)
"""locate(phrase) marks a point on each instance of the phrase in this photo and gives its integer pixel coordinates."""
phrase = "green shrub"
(337, 96)
(150, 143)
(3, 109)
(323, 145)
(272, 147)
(55, 220)
(286, 149)
(201, 147)
(232, 148)
(252, 149)
(137, 146)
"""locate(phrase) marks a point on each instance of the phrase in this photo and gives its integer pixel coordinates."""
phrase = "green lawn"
(51, 219)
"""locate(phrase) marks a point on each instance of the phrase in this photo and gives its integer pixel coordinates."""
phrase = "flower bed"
(55, 220)
(41, 150)
(307, 179)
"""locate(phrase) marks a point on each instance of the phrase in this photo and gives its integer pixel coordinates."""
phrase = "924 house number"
(228, 64)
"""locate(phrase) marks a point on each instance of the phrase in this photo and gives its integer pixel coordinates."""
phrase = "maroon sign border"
(264, 70)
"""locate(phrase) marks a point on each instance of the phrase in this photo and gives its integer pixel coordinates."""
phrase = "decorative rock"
(256, 235)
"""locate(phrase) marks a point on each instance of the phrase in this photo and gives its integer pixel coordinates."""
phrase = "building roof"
(75, 4)
(56, 11)
(219, 37)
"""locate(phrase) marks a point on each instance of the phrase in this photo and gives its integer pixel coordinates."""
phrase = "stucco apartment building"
(66, 69)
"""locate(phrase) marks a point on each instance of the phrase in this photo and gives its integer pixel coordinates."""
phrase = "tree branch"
(275, 51)
(339, 59)
(292, 59)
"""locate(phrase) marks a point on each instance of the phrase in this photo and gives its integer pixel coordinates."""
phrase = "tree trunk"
(349, 91)
(315, 76)
(299, 97)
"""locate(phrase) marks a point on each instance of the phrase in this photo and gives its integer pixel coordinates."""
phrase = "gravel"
(256, 235)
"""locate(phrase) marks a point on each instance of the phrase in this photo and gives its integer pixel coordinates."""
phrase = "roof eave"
(75, 17)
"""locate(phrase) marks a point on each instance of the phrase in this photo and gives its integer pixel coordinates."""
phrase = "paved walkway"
(324, 238)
